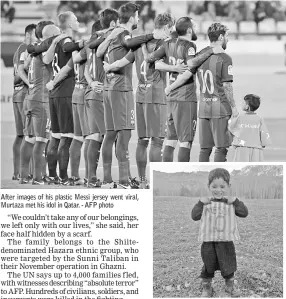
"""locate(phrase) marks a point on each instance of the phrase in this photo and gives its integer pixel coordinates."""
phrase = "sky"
(190, 167)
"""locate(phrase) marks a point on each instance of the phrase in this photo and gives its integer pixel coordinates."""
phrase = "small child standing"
(218, 230)
(249, 131)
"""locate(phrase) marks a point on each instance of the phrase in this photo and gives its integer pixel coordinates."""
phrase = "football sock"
(44, 168)
(16, 154)
(220, 154)
(123, 172)
(123, 155)
(26, 151)
(52, 156)
(31, 165)
(63, 156)
(93, 154)
(205, 154)
(141, 157)
(107, 146)
(184, 154)
(129, 171)
(168, 153)
(85, 150)
(75, 153)
(155, 153)
(39, 159)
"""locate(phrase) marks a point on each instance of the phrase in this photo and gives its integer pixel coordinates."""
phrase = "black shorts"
(218, 256)
(61, 115)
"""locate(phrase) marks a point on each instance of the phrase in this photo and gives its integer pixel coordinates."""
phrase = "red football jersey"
(211, 74)
(120, 80)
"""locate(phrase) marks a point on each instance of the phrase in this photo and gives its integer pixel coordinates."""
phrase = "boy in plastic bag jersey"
(218, 230)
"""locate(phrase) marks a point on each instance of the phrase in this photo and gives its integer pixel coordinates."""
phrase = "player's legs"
(26, 151)
(122, 144)
(41, 127)
(93, 154)
(85, 150)
(75, 148)
(122, 104)
(95, 117)
(18, 114)
(185, 122)
(222, 138)
(107, 147)
(109, 137)
(52, 154)
(155, 115)
(64, 106)
(172, 138)
(26, 148)
(80, 132)
(205, 139)
(85, 132)
(141, 158)
(142, 143)
(52, 150)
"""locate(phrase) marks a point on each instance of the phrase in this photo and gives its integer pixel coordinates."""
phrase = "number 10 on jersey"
(207, 81)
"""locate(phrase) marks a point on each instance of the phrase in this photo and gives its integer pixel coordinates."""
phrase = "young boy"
(218, 230)
(250, 132)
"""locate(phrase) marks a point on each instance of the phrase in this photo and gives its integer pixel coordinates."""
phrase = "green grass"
(177, 261)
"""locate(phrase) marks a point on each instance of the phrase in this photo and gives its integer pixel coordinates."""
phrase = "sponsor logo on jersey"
(229, 70)
(191, 51)
(214, 99)
(109, 75)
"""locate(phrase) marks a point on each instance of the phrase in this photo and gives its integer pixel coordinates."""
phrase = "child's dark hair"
(218, 173)
(253, 101)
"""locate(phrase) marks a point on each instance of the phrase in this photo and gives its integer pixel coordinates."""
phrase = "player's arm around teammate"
(60, 76)
(22, 73)
(48, 58)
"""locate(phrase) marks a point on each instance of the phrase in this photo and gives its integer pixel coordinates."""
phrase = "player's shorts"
(214, 132)
(119, 111)
(151, 120)
(19, 93)
(80, 124)
(78, 94)
(61, 115)
(181, 121)
(19, 117)
(38, 119)
(95, 116)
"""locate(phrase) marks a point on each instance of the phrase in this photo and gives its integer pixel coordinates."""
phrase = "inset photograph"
(218, 230)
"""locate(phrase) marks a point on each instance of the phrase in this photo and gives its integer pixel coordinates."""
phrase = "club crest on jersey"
(191, 51)
(229, 69)
(127, 37)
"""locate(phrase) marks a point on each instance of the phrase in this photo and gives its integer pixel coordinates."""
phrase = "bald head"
(50, 30)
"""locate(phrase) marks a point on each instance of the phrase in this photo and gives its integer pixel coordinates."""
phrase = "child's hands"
(205, 200)
(230, 200)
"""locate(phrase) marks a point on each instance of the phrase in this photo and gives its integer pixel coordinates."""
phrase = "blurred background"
(245, 19)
